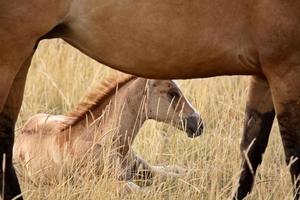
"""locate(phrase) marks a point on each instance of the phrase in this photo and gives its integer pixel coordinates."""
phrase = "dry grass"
(60, 75)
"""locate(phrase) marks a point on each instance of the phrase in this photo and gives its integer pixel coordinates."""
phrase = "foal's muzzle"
(194, 125)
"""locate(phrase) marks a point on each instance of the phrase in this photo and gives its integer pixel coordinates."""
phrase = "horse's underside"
(167, 39)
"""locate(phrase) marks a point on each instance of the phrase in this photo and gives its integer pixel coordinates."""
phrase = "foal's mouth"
(192, 133)
(194, 126)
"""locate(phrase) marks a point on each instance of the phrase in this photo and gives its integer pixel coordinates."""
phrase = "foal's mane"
(96, 96)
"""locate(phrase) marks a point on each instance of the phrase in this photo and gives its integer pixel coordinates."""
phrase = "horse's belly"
(166, 39)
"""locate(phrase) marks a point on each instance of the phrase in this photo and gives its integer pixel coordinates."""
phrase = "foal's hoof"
(131, 187)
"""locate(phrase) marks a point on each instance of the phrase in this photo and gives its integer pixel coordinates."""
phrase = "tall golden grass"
(60, 76)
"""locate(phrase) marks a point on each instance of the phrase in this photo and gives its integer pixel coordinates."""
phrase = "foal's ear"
(175, 81)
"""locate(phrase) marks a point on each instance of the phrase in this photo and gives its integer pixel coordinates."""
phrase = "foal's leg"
(8, 118)
(136, 167)
(258, 124)
(285, 87)
(142, 170)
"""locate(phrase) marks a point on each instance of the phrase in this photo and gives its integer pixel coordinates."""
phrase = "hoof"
(131, 187)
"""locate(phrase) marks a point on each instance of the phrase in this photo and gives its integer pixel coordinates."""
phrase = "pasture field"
(60, 76)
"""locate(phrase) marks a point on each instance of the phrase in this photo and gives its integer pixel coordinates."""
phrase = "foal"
(111, 116)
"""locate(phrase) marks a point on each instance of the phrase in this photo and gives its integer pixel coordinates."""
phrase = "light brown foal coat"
(168, 39)
(106, 123)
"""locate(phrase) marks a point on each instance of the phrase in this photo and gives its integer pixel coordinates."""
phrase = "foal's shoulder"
(43, 123)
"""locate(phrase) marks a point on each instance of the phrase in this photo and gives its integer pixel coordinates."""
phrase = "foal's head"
(166, 103)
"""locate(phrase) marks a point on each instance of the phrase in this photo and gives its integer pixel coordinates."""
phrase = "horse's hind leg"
(284, 81)
(258, 123)
(8, 117)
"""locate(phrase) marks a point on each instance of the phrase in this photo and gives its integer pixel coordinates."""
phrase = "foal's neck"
(118, 118)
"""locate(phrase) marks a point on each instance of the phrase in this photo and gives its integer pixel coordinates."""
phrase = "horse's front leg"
(258, 123)
(8, 118)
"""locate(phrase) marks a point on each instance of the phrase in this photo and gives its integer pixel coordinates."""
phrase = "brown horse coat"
(167, 39)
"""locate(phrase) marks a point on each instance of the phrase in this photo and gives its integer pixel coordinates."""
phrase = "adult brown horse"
(167, 39)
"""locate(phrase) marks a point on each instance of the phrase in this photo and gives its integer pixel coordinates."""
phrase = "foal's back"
(43, 123)
(37, 141)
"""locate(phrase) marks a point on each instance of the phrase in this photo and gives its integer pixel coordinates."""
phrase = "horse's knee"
(11, 185)
(257, 128)
(6, 139)
(295, 167)
(254, 142)
(6, 134)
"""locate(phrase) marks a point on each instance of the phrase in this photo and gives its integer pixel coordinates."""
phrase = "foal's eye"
(174, 95)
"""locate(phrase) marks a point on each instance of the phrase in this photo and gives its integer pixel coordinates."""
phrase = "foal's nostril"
(194, 125)
(201, 125)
